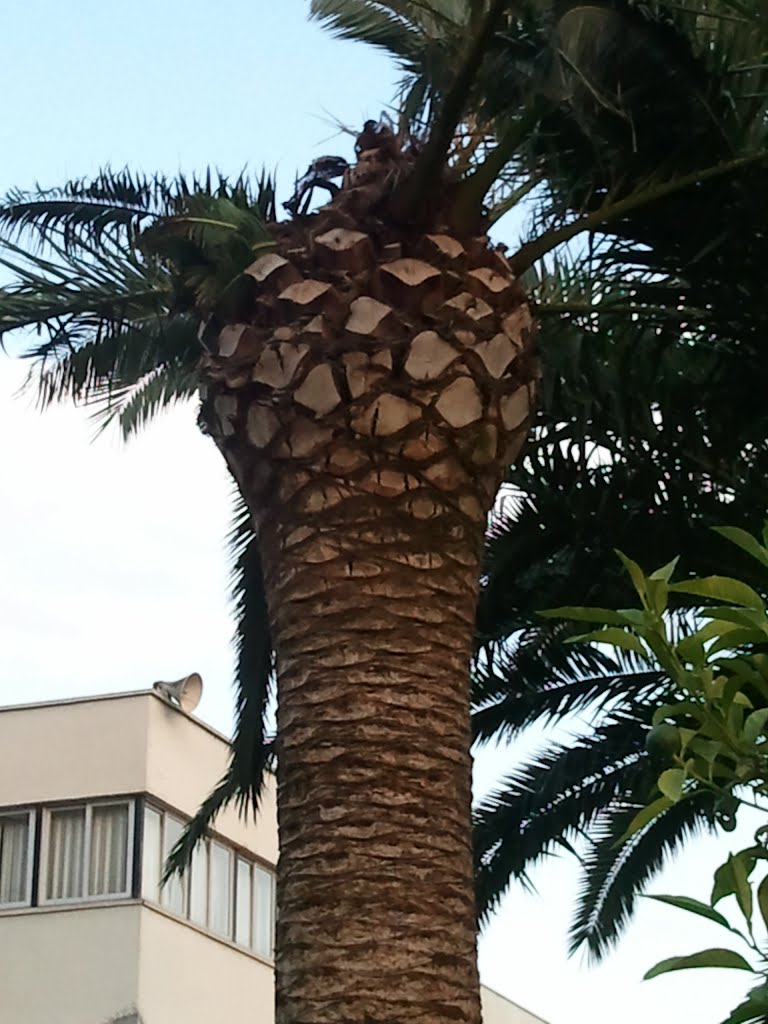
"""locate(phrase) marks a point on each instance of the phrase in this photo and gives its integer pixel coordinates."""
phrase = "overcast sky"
(112, 559)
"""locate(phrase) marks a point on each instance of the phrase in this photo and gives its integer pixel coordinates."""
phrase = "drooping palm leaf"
(549, 802)
(538, 677)
(614, 873)
(251, 750)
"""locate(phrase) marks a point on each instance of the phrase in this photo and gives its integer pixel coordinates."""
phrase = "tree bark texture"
(368, 410)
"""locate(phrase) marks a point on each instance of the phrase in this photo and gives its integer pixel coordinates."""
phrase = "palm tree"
(368, 373)
(675, 459)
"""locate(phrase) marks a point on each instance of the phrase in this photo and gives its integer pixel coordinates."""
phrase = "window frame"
(85, 897)
(184, 879)
(236, 854)
(32, 823)
(256, 865)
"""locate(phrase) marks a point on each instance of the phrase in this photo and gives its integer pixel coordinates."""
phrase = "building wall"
(77, 966)
(128, 743)
(89, 965)
(186, 976)
(498, 1010)
(73, 749)
(185, 760)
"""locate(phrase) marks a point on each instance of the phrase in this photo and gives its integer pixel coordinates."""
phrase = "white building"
(93, 794)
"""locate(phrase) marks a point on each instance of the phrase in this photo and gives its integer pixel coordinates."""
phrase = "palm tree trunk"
(372, 616)
(369, 436)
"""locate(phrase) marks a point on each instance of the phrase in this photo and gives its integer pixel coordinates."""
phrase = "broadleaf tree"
(710, 739)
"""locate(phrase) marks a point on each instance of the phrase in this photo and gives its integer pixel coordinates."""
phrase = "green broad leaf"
(709, 750)
(755, 725)
(715, 628)
(749, 618)
(732, 879)
(738, 638)
(706, 958)
(683, 707)
(636, 573)
(759, 662)
(671, 782)
(721, 588)
(663, 653)
(665, 572)
(601, 616)
(635, 617)
(735, 717)
(613, 637)
(732, 691)
(692, 649)
(745, 541)
(693, 907)
(658, 595)
(644, 816)
(762, 900)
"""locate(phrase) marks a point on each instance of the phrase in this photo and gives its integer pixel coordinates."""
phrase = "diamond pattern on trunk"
(497, 354)
(386, 415)
(515, 408)
(371, 318)
(276, 366)
(428, 356)
(318, 391)
(460, 404)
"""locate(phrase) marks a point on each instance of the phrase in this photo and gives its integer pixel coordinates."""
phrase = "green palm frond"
(171, 383)
(400, 29)
(72, 296)
(638, 100)
(116, 205)
(615, 874)
(540, 677)
(209, 244)
(547, 803)
(641, 488)
(117, 274)
(105, 370)
(251, 749)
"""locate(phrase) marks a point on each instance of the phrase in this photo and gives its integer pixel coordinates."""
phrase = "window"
(86, 851)
(108, 860)
(173, 894)
(198, 885)
(263, 911)
(244, 902)
(150, 863)
(15, 859)
(220, 888)
(66, 849)
(222, 892)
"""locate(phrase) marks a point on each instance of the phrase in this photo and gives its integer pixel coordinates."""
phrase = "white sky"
(112, 558)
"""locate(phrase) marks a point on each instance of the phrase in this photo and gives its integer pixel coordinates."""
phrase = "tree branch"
(409, 197)
(529, 253)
